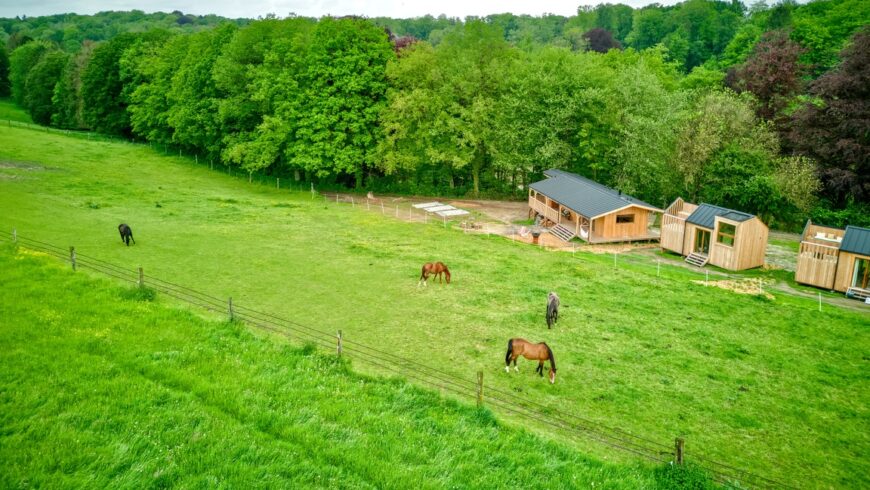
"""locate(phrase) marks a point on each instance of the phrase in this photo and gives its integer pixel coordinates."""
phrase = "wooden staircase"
(696, 259)
(563, 233)
(858, 293)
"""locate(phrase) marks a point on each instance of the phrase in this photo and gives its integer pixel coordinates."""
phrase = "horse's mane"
(552, 359)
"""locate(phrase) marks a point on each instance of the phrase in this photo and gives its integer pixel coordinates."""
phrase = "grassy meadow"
(102, 389)
(772, 386)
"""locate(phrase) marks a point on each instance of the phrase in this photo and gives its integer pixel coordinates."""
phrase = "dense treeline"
(762, 110)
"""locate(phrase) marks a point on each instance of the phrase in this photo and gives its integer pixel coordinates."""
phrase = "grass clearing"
(770, 386)
(11, 112)
(119, 391)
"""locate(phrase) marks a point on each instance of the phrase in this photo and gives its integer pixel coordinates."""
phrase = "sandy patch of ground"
(753, 286)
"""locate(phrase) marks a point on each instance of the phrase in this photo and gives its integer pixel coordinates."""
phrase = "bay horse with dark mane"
(535, 352)
(437, 268)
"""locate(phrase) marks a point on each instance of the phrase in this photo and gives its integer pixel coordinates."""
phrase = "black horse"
(126, 234)
(552, 309)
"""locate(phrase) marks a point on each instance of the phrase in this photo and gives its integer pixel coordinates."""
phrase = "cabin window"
(726, 234)
(624, 218)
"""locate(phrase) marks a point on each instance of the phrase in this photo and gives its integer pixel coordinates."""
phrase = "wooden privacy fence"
(568, 424)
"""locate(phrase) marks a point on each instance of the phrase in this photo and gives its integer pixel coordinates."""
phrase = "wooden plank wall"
(722, 255)
(817, 265)
(845, 270)
(689, 238)
(672, 233)
(752, 245)
(607, 227)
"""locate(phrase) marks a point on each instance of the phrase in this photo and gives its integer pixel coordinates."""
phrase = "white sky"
(309, 8)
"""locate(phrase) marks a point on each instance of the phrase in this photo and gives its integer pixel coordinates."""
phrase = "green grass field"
(101, 389)
(770, 386)
(10, 112)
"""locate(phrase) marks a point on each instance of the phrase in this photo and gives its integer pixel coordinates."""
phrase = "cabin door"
(861, 279)
(702, 242)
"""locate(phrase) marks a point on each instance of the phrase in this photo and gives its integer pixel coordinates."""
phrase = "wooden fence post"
(339, 343)
(196, 158)
(480, 388)
(277, 182)
(382, 208)
(678, 450)
(72, 257)
(397, 210)
(14, 235)
(231, 308)
(141, 278)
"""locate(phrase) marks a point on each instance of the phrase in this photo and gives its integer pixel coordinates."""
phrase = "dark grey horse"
(126, 234)
(552, 309)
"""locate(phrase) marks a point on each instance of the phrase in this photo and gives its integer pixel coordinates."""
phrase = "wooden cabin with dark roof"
(836, 259)
(709, 234)
(576, 206)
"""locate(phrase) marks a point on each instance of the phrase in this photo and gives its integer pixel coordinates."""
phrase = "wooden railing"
(817, 264)
(544, 210)
(672, 231)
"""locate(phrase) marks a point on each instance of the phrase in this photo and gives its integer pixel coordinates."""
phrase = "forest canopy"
(760, 108)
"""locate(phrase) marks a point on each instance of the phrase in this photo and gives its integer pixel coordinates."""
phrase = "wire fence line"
(572, 425)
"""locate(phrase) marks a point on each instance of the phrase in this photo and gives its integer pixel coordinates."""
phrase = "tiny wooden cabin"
(836, 259)
(576, 206)
(708, 234)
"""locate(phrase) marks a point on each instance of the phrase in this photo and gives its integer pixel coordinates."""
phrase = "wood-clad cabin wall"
(748, 250)
(817, 265)
(672, 233)
(846, 270)
(607, 227)
(689, 238)
(751, 244)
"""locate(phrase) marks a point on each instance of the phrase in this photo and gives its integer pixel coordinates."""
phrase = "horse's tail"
(552, 359)
(507, 357)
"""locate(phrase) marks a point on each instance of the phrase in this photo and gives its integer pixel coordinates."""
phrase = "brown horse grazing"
(535, 352)
(436, 268)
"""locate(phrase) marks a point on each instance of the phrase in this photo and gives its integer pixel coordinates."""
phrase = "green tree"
(5, 86)
(193, 99)
(442, 108)
(259, 78)
(154, 65)
(104, 105)
(344, 80)
(39, 85)
(22, 60)
(67, 97)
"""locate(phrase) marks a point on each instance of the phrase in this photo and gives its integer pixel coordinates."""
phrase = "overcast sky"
(310, 8)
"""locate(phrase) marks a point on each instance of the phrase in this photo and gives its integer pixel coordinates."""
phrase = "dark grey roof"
(705, 215)
(584, 196)
(856, 240)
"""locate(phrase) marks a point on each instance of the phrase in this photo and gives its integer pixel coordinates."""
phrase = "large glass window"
(861, 279)
(726, 234)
